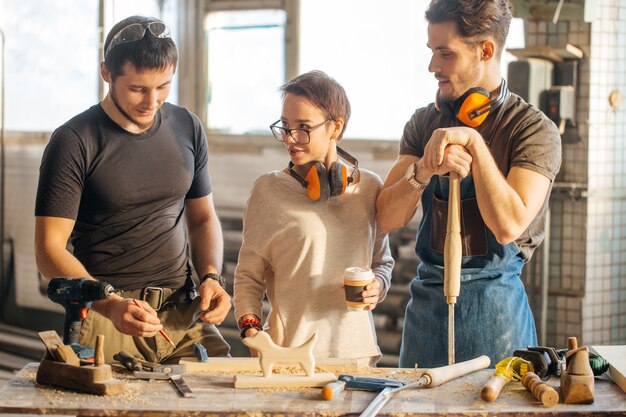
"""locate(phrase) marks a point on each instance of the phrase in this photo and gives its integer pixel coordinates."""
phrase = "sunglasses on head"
(136, 31)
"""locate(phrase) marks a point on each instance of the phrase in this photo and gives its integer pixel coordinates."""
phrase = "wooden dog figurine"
(271, 353)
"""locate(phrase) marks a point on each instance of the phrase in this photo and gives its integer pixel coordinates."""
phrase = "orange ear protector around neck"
(321, 183)
(473, 107)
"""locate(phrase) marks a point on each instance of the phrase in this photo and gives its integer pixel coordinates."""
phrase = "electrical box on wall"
(529, 78)
(546, 76)
(560, 105)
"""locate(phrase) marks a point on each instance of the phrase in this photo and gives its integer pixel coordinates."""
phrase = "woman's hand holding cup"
(361, 288)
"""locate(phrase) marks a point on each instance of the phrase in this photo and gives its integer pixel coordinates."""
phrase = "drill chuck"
(63, 290)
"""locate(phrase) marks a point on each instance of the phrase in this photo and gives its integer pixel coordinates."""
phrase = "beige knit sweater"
(295, 251)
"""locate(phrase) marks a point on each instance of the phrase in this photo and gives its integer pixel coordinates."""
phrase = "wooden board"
(283, 380)
(223, 364)
(555, 53)
(616, 356)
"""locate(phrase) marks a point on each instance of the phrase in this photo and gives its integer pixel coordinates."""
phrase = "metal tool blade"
(377, 403)
(151, 375)
(385, 395)
(419, 383)
(450, 334)
(182, 386)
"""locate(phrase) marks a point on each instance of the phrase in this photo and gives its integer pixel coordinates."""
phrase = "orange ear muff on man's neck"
(473, 107)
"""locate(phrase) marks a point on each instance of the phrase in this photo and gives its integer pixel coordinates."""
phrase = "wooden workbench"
(215, 396)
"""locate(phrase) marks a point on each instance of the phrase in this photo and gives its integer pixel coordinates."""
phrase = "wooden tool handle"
(332, 389)
(492, 388)
(98, 358)
(438, 376)
(452, 250)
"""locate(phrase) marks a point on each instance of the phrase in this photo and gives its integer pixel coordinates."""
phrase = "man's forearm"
(398, 200)
(60, 263)
(396, 205)
(500, 205)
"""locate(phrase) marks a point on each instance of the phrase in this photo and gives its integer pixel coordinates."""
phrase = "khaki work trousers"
(178, 323)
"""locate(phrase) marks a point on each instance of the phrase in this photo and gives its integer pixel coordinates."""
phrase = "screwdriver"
(332, 389)
(430, 378)
(452, 252)
(508, 369)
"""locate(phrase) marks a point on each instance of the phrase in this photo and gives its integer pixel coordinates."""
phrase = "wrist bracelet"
(249, 321)
(249, 326)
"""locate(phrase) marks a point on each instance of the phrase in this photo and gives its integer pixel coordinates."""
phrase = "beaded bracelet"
(250, 321)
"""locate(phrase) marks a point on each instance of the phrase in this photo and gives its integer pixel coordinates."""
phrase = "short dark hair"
(474, 18)
(324, 92)
(148, 52)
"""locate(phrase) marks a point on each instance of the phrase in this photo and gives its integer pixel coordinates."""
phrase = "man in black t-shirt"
(127, 180)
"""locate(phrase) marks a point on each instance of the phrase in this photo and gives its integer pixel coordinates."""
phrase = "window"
(51, 61)
(52, 56)
(378, 54)
(246, 66)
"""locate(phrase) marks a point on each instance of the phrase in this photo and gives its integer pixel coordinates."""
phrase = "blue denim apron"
(492, 314)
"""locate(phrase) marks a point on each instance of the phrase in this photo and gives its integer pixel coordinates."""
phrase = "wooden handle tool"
(508, 369)
(452, 253)
(438, 376)
(492, 388)
(540, 390)
(98, 358)
(430, 378)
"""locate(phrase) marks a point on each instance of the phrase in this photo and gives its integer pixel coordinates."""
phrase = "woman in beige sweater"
(304, 225)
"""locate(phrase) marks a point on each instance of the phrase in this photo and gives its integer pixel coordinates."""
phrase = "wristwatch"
(410, 177)
(217, 277)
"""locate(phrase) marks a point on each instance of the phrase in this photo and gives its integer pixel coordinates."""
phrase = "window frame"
(195, 63)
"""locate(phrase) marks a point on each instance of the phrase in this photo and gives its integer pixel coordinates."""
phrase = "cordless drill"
(76, 296)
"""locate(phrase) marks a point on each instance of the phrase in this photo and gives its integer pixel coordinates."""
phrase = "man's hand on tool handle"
(128, 318)
(447, 150)
(215, 302)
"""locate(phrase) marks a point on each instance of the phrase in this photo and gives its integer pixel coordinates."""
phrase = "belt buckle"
(146, 292)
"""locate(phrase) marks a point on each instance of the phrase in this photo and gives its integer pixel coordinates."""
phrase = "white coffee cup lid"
(357, 273)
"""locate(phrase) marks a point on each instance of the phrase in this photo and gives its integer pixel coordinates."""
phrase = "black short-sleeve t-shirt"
(126, 193)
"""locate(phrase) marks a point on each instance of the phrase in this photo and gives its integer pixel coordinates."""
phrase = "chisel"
(332, 389)
(452, 253)
(430, 378)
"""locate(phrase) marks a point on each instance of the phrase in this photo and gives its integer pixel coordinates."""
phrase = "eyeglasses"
(300, 135)
(136, 31)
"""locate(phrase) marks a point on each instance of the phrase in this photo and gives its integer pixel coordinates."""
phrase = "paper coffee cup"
(354, 280)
